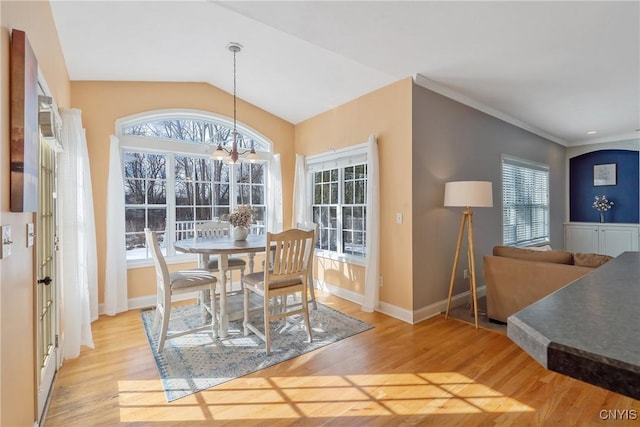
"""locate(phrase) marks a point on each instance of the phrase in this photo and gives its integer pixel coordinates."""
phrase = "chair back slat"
(290, 253)
(211, 229)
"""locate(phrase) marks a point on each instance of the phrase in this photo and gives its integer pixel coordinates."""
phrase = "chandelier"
(232, 155)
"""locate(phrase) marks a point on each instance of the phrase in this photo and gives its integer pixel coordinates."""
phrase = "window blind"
(525, 202)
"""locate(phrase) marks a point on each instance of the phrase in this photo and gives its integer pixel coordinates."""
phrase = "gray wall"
(454, 142)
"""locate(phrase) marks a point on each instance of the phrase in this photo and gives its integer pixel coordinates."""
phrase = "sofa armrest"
(513, 284)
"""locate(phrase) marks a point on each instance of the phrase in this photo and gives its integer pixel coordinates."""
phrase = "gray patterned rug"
(196, 362)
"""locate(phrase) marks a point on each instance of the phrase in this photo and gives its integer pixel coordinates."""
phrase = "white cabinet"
(606, 239)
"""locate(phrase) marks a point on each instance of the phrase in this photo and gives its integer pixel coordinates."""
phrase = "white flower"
(602, 204)
(241, 216)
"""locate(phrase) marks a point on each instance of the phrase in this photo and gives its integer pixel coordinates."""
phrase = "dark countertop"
(589, 329)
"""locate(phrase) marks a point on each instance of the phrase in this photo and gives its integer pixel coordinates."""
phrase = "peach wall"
(102, 103)
(386, 113)
(17, 352)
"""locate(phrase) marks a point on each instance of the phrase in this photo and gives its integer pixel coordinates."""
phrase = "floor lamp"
(467, 194)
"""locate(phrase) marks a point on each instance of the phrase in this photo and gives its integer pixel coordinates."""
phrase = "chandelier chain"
(234, 93)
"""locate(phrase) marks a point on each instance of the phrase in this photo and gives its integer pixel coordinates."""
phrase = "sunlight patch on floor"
(319, 396)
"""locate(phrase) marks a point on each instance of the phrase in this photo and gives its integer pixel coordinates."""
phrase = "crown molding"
(426, 83)
(624, 137)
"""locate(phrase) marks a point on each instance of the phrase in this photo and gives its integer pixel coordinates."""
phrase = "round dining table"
(222, 247)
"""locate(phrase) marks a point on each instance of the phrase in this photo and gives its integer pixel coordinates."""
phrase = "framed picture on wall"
(605, 174)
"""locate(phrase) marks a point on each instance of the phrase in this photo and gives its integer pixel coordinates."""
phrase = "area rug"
(196, 362)
(463, 312)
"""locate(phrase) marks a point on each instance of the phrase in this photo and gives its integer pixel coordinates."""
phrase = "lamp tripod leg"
(455, 263)
(472, 267)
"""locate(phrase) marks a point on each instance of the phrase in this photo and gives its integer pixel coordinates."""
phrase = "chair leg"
(312, 292)
(245, 304)
(267, 323)
(203, 306)
(156, 319)
(214, 317)
(166, 315)
(307, 321)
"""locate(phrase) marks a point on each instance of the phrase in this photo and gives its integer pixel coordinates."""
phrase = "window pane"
(359, 192)
(134, 191)
(136, 246)
(184, 193)
(219, 212)
(326, 195)
(157, 193)
(348, 173)
(348, 192)
(184, 214)
(203, 214)
(134, 219)
(244, 195)
(203, 194)
(155, 166)
(157, 219)
(257, 195)
(202, 170)
(221, 194)
(334, 193)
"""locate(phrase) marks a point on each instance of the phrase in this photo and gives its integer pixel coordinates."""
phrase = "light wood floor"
(438, 372)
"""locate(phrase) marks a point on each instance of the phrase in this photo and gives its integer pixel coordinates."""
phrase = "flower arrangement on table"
(242, 216)
(602, 204)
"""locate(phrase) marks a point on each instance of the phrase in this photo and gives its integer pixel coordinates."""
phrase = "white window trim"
(336, 158)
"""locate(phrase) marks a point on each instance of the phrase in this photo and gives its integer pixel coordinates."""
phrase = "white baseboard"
(438, 307)
(394, 311)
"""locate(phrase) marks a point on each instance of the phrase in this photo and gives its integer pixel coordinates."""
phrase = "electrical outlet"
(466, 273)
(380, 281)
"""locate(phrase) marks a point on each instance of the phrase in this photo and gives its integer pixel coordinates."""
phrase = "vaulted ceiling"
(561, 69)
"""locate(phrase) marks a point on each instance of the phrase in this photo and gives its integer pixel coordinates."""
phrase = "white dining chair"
(182, 282)
(287, 275)
(308, 225)
(217, 230)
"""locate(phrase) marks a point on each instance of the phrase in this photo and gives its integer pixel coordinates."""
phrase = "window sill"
(145, 263)
(341, 257)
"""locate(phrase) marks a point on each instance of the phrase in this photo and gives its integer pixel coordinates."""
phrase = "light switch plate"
(30, 235)
(6, 241)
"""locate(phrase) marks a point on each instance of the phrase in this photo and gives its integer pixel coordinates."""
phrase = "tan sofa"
(516, 278)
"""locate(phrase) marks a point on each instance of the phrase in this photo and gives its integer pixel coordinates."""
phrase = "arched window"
(171, 182)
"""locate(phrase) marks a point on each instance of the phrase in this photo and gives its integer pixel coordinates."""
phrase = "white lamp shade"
(478, 194)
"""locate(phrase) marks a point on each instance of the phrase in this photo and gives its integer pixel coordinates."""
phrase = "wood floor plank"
(438, 372)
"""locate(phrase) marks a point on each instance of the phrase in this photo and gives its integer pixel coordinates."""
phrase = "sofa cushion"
(590, 260)
(553, 256)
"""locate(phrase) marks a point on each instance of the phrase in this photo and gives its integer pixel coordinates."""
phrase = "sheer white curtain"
(373, 227)
(300, 205)
(115, 281)
(274, 204)
(79, 266)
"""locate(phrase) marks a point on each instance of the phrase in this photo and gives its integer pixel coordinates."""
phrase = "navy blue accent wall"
(625, 195)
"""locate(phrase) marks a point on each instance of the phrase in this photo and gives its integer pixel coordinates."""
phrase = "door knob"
(45, 281)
